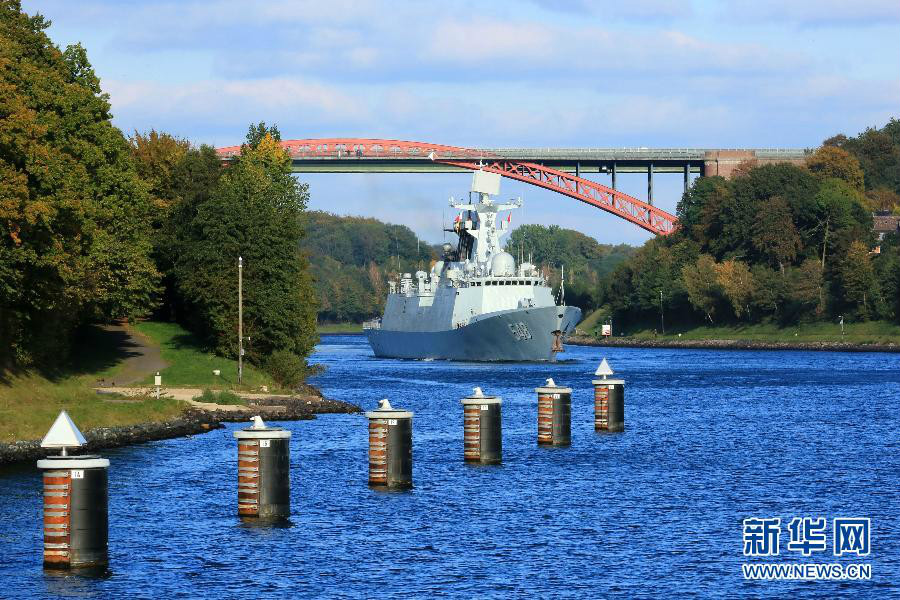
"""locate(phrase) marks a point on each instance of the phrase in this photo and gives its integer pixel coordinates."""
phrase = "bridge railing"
(330, 149)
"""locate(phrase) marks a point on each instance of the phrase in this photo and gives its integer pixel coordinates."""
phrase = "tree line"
(776, 243)
(95, 226)
(586, 260)
(353, 258)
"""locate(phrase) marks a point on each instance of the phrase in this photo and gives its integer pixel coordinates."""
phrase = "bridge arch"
(613, 201)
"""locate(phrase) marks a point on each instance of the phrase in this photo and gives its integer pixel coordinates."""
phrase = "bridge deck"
(586, 160)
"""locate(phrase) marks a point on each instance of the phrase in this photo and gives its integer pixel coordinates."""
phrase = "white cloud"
(814, 13)
(569, 73)
(642, 10)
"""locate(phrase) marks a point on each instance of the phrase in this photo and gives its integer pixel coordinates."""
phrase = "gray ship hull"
(515, 335)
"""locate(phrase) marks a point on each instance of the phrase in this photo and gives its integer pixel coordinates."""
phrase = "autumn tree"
(701, 282)
(736, 282)
(883, 199)
(74, 217)
(156, 157)
(832, 161)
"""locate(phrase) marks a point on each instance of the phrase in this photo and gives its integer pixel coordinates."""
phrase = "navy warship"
(476, 304)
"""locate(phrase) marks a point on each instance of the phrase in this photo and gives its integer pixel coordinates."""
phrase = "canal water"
(712, 438)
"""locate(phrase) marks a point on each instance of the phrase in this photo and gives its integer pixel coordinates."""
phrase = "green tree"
(74, 216)
(806, 289)
(887, 273)
(856, 280)
(769, 290)
(259, 132)
(701, 282)
(699, 212)
(840, 217)
(878, 152)
(157, 158)
(255, 211)
(775, 238)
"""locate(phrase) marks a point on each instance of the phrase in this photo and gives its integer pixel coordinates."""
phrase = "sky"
(533, 73)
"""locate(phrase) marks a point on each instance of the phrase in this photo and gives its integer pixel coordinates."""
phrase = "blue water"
(711, 438)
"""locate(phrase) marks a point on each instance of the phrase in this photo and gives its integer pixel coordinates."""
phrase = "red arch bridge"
(558, 170)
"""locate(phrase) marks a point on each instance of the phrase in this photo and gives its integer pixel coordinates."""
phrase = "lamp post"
(240, 320)
(662, 322)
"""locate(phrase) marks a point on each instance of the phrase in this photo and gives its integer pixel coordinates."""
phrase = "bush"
(223, 397)
(286, 368)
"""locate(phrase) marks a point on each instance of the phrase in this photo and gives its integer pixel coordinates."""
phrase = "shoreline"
(731, 344)
(192, 421)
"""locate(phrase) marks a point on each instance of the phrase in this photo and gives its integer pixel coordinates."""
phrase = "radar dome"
(503, 265)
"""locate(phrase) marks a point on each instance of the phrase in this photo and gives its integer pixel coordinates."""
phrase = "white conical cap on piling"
(604, 370)
(63, 434)
(386, 411)
(551, 387)
(478, 397)
(260, 431)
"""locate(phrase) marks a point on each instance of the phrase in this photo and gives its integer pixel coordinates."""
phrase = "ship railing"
(373, 324)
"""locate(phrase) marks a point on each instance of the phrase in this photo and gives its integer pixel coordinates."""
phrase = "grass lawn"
(191, 366)
(29, 403)
(872, 332)
(339, 328)
(591, 321)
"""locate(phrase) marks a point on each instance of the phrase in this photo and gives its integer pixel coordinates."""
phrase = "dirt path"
(144, 357)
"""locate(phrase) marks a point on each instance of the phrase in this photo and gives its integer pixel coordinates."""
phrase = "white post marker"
(609, 400)
(604, 370)
(157, 381)
(63, 434)
(75, 502)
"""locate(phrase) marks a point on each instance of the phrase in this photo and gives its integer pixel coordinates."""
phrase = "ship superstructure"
(476, 303)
